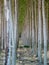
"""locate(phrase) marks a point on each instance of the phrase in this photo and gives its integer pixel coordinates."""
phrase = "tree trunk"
(44, 33)
(35, 15)
(39, 32)
(0, 25)
(8, 18)
(15, 37)
(2, 28)
(33, 29)
(5, 33)
(47, 22)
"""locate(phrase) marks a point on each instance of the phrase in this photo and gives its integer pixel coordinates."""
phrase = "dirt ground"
(25, 59)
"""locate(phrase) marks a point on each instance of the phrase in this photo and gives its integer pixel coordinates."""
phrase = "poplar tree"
(39, 32)
(44, 32)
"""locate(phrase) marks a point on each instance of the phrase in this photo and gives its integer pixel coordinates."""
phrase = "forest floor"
(25, 59)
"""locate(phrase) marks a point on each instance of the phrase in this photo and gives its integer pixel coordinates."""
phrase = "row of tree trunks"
(12, 35)
(42, 30)
(42, 33)
(2, 27)
(12, 30)
(26, 34)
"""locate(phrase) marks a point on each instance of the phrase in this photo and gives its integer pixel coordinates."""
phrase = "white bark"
(9, 28)
(33, 30)
(39, 32)
(44, 33)
(15, 36)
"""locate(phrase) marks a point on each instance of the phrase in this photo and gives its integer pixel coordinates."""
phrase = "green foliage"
(26, 46)
(47, 1)
(21, 10)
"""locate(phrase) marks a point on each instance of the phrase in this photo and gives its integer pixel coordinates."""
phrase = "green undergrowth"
(24, 46)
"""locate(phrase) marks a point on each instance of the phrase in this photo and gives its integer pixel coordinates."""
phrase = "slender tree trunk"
(47, 23)
(44, 33)
(35, 15)
(15, 37)
(39, 32)
(5, 32)
(0, 25)
(2, 28)
(29, 21)
(33, 30)
(8, 17)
